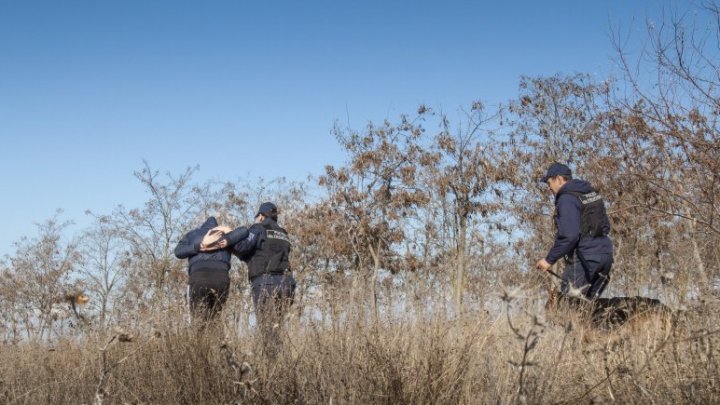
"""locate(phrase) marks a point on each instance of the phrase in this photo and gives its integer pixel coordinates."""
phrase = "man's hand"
(209, 242)
(222, 244)
(222, 229)
(543, 265)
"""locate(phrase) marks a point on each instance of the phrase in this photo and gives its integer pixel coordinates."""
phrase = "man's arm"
(189, 245)
(250, 242)
(568, 228)
(233, 237)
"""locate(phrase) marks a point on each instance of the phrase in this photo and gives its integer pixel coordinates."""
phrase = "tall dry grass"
(512, 356)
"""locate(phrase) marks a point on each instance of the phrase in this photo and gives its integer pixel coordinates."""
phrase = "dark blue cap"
(557, 169)
(268, 209)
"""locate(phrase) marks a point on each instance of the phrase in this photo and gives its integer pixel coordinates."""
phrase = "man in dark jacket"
(581, 238)
(208, 266)
(266, 250)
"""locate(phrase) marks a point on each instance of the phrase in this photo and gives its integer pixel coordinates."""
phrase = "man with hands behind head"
(206, 249)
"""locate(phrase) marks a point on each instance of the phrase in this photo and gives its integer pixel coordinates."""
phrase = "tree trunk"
(103, 311)
(460, 265)
(375, 253)
(703, 283)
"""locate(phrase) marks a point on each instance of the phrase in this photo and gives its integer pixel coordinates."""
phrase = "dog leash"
(555, 274)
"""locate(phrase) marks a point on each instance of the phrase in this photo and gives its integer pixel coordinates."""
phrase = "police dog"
(612, 318)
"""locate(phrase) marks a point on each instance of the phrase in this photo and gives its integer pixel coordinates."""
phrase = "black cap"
(556, 169)
(268, 209)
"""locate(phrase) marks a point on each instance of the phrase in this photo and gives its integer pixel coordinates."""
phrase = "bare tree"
(38, 276)
(105, 267)
(152, 231)
(676, 117)
(460, 177)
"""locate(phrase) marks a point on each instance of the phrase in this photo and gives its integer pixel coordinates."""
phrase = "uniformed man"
(581, 238)
(266, 250)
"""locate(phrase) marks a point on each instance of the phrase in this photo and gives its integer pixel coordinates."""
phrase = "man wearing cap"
(581, 238)
(266, 250)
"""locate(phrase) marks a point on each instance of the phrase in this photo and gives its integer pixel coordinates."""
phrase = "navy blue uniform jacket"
(568, 209)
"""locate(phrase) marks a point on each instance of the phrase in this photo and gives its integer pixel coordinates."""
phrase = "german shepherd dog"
(612, 317)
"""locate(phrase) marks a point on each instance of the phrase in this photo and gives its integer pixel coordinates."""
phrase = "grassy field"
(513, 356)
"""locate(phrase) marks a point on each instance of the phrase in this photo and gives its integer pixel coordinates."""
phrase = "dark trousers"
(591, 281)
(207, 293)
(273, 294)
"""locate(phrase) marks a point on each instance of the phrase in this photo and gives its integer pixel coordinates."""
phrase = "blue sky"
(88, 89)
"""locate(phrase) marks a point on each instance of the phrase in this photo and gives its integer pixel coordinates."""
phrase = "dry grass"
(514, 356)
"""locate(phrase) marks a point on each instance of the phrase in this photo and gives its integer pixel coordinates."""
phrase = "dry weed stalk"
(529, 338)
(242, 371)
(123, 337)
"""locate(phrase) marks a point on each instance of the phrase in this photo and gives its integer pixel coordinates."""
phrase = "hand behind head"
(210, 239)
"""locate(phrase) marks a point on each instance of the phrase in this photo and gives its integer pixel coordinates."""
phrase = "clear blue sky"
(88, 89)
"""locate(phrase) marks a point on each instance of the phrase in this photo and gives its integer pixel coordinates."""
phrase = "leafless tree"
(37, 277)
(672, 113)
(461, 178)
(105, 267)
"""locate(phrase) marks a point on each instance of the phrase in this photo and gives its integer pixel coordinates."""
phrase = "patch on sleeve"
(272, 234)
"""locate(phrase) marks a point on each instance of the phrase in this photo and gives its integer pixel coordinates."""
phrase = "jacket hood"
(577, 186)
(210, 223)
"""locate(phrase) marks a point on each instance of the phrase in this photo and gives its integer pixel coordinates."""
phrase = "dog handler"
(581, 238)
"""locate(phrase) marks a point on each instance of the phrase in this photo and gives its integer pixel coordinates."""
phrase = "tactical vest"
(273, 254)
(592, 213)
